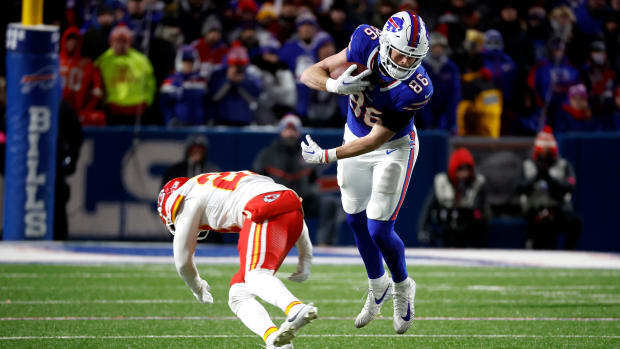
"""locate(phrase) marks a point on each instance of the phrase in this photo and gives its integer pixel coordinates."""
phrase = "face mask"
(598, 57)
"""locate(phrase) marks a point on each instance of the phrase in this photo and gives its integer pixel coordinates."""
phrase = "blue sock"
(391, 246)
(368, 250)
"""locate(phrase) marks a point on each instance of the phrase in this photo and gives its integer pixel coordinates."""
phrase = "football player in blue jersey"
(380, 148)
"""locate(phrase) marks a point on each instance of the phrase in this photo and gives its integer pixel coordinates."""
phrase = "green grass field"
(112, 306)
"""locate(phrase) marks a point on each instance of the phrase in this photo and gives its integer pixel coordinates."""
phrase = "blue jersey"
(392, 101)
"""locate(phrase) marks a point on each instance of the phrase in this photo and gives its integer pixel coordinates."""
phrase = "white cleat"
(403, 306)
(373, 304)
(293, 323)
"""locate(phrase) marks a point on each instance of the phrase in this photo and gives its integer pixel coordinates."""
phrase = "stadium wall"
(114, 189)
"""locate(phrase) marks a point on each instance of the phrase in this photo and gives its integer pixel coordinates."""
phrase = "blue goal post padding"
(33, 98)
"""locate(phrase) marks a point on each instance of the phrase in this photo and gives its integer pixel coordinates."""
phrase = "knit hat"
(238, 55)
(291, 120)
(545, 141)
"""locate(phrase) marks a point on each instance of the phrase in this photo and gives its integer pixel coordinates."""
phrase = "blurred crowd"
(498, 67)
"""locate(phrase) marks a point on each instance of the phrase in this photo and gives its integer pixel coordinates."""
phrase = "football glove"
(303, 269)
(347, 84)
(314, 154)
(203, 295)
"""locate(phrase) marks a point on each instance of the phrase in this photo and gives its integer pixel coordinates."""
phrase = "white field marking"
(335, 277)
(490, 288)
(333, 318)
(316, 301)
(181, 336)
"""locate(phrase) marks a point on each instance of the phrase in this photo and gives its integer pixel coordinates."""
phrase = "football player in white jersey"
(380, 148)
(269, 220)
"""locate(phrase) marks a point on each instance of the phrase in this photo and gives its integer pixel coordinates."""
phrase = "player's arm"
(304, 249)
(317, 76)
(378, 135)
(184, 246)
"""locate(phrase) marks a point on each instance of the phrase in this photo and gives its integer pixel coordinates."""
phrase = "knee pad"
(237, 295)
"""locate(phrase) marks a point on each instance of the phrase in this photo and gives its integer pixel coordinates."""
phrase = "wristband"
(331, 85)
(330, 155)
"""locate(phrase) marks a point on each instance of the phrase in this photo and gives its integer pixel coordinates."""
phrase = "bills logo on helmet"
(395, 24)
(271, 197)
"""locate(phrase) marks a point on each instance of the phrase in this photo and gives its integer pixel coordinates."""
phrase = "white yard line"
(315, 336)
(322, 318)
(316, 301)
(332, 277)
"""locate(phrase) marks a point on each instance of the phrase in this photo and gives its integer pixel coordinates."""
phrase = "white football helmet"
(406, 33)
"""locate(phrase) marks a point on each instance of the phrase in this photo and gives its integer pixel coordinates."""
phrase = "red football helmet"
(164, 194)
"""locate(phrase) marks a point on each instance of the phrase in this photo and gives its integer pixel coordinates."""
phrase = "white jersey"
(219, 198)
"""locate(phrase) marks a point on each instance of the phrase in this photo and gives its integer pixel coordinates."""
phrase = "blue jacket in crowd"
(440, 112)
(231, 103)
(183, 99)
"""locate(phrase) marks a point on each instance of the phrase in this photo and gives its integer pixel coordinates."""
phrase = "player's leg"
(355, 181)
(241, 301)
(250, 312)
(391, 177)
(273, 239)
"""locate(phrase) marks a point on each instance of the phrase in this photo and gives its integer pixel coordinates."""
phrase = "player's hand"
(311, 152)
(303, 269)
(203, 295)
(347, 84)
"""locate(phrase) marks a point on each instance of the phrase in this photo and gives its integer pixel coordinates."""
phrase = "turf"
(105, 306)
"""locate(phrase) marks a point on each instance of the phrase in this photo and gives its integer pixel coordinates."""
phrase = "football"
(337, 71)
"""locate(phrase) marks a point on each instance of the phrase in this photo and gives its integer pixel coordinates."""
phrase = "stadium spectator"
(589, 15)
(322, 108)
(267, 18)
(286, 20)
(503, 69)
(68, 151)
(480, 109)
(562, 20)
(456, 212)
(143, 17)
(536, 36)
(546, 190)
(283, 162)
(611, 30)
(383, 10)
(337, 24)
(183, 93)
(212, 49)
(192, 15)
(163, 46)
(509, 26)
(253, 37)
(234, 90)
(551, 78)
(96, 37)
(440, 112)
(599, 78)
(279, 90)
(195, 160)
(575, 114)
(81, 82)
(300, 52)
(128, 79)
